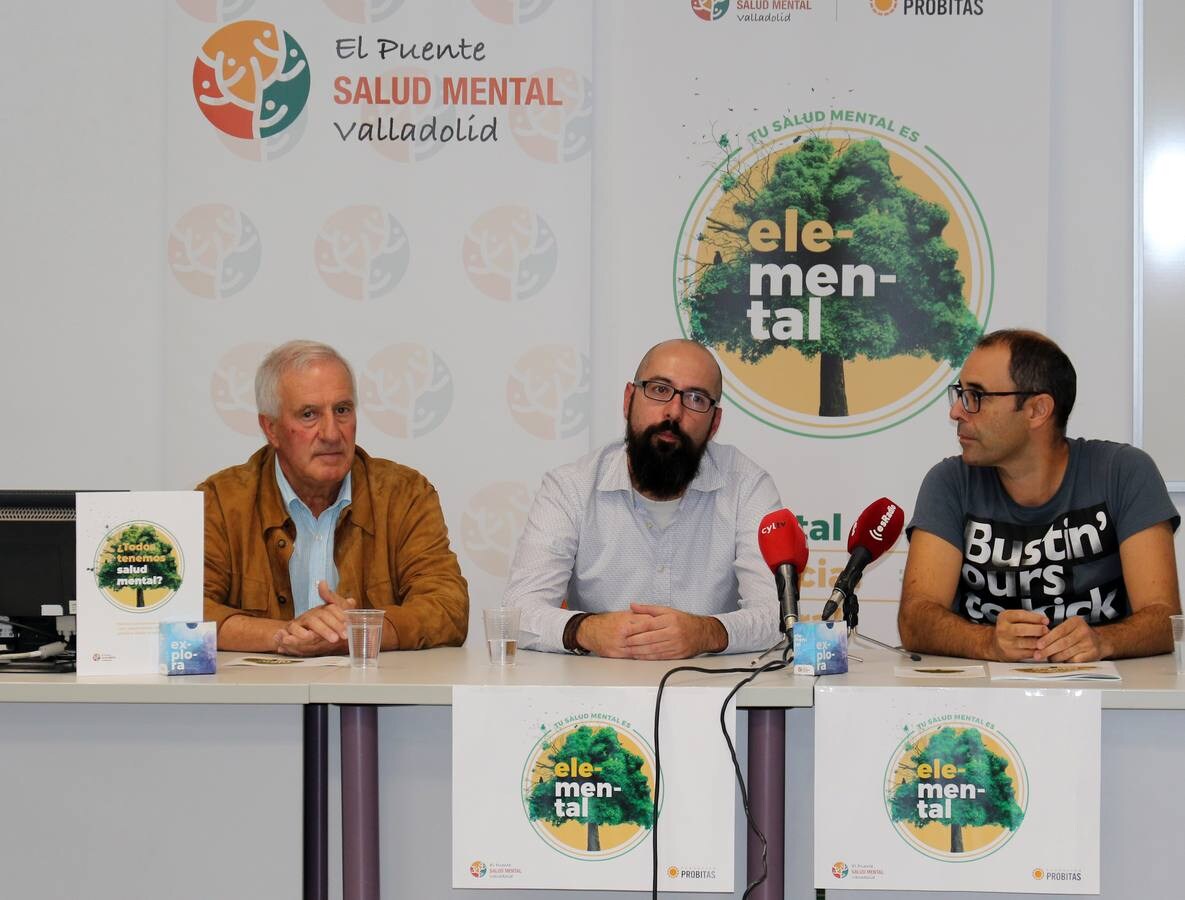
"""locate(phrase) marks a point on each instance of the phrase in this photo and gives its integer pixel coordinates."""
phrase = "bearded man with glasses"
(1030, 545)
(651, 540)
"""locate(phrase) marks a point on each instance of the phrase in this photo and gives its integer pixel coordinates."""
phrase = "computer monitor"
(37, 567)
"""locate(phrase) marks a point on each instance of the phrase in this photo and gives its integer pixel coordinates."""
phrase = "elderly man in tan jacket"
(311, 526)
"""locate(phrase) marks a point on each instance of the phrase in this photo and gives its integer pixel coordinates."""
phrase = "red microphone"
(783, 547)
(874, 532)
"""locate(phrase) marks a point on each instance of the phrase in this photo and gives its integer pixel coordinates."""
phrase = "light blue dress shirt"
(312, 554)
(590, 540)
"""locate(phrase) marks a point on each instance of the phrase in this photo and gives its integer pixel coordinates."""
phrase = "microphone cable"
(751, 674)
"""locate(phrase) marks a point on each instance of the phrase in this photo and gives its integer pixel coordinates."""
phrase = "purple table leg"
(767, 799)
(316, 802)
(360, 803)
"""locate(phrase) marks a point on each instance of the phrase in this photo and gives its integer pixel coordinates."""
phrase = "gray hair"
(292, 356)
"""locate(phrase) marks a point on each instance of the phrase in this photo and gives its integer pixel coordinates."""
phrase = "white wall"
(1090, 214)
(82, 182)
(82, 226)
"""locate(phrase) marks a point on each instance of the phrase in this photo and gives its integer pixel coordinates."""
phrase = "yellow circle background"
(786, 378)
(975, 837)
(574, 835)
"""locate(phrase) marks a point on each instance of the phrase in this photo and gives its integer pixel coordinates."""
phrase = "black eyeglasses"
(696, 401)
(972, 397)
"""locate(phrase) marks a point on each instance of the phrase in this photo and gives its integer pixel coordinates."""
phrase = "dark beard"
(663, 471)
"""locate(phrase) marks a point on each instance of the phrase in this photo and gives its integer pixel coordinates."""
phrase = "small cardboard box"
(820, 648)
(188, 648)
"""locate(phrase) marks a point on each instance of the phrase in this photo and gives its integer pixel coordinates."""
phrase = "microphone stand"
(851, 615)
(784, 642)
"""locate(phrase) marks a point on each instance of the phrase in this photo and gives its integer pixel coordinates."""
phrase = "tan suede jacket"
(391, 549)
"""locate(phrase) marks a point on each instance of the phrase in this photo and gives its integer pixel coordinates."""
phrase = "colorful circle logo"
(364, 12)
(268, 148)
(548, 391)
(956, 792)
(478, 869)
(138, 566)
(709, 10)
(509, 253)
(588, 789)
(883, 7)
(362, 252)
(251, 79)
(215, 10)
(511, 12)
(845, 314)
(232, 387)
(492, 523)
(214, 251)
(406, 390)
(559, 133)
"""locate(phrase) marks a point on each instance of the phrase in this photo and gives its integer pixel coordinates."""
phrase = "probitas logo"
(956, 789)
(928, 7)
(1040, 874)
(588, 787)
(686, 873)
(838, 267)
(709, 10)
(251, 79)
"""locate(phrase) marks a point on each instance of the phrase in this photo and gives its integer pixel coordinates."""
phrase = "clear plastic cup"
(502, 634)
(365, 632)
(1179, 642)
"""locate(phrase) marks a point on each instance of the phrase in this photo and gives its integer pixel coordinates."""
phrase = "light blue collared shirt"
(312, 554)
(589, 540)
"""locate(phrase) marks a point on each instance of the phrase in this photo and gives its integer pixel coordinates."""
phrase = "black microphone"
(873, 533)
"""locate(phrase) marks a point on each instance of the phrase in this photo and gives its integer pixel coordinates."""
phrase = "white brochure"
(140, 561)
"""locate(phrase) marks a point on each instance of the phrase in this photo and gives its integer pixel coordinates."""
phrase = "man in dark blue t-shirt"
(1029, 545)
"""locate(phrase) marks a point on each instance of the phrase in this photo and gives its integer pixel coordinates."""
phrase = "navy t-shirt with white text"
(1060, 558)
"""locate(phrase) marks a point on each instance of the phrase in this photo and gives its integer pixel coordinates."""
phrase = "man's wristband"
(570, 629)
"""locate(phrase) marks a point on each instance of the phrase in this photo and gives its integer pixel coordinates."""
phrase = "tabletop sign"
(553, 787)
(140, 563)
(957, 789)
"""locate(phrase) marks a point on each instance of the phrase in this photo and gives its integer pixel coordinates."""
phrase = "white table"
(147, 786)
(1143, 738)
(119, 787)
(419, 744)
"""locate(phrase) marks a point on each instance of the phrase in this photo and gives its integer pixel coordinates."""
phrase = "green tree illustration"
(140, 534)
(631, 802)
(980, 767)
(894, 231)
